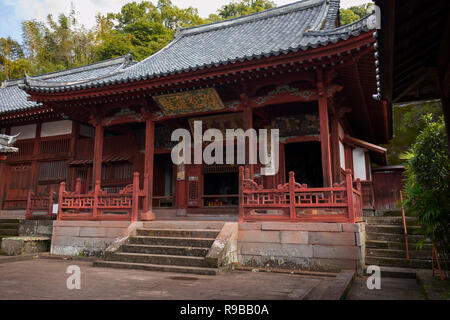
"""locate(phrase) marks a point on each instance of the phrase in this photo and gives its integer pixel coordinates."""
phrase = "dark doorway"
(163, 181)
(304, 158)
(220, 189)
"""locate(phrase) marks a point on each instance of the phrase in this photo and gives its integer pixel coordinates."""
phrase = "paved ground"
(46, 279)
(391, 289)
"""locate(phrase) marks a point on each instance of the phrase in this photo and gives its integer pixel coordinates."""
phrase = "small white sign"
(55, 208)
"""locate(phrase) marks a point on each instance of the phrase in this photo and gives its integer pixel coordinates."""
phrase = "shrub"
(427, 185)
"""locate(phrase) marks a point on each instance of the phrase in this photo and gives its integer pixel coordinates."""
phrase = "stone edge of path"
(46, 255)
(337, 288)
(340, 287)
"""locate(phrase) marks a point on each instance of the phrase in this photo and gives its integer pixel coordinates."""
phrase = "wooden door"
(194, 187)
(17, 187)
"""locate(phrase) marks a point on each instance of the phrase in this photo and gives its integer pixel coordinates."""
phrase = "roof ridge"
(265, 14)
(91, 66)
(363, 22)
(47, 80)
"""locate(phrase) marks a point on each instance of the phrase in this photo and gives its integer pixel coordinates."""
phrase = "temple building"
(96, 139)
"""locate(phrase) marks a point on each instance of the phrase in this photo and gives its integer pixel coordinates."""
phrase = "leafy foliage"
(355, 13)
(427, 184)
(408, 123)
(141, 27)
(235, 9)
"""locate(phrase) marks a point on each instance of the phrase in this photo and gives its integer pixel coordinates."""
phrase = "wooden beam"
(324, 132)
(353, 141)
(148, 168)
(98, 154)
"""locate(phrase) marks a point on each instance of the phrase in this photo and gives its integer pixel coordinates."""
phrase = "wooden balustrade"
(40, 207)
(293, 201)
(55, 146)
(98, 204)
(25, 147)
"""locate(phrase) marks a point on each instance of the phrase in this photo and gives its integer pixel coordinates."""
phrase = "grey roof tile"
(14, 99)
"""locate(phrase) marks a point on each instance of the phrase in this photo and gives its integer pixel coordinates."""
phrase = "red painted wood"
(342, 201)
(149, 163)
(325, 142)
(98, 154)
(98, 204)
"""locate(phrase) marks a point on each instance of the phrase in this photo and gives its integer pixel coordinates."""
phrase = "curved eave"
(314, 55)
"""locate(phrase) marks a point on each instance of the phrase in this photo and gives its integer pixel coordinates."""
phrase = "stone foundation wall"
(35, 228)
(306, 246)
(12, 214)
(87, 238)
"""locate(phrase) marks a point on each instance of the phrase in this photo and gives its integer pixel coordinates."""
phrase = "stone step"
(398, 221)
(194, 233)
(380, 244)
(412, 230)
(395, 272)
(156, 267)
(389, 253)
(184, 225)
(173, 241)
(169, 250)
(9, 232)
(392, 213)
(393, 237)
(399, 262)
(9, 225)
(158, 259)
(10, 221)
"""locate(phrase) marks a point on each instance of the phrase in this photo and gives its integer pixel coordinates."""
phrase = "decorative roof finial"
(177, 31)
(129, 56)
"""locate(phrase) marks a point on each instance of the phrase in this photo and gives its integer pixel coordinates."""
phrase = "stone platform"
(13, 246)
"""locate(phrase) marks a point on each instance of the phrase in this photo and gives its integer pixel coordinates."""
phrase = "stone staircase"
(8, 228)
(168, 246)
(385, 243)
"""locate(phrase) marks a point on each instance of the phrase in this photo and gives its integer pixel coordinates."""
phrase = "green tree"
(12, 59)
(408, 123)
(355, 13)
(427, 185)
(144, 28)
(235, 9)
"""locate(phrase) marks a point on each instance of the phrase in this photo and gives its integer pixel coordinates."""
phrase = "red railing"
(55, 146)
(296, 202)
(25, 147)
(40, 207)
(98, 204)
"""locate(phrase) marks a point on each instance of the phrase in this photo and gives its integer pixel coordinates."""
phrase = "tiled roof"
(290, 28)
(14, 99)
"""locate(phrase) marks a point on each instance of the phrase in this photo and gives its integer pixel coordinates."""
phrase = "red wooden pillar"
(350, 201)
(147, 214)
(292, 213)
(3, 173)
(98, 155)
(325, 137)
(241, 194)
(335, 148)
(248, 124)
(34, 163)
(62, 189)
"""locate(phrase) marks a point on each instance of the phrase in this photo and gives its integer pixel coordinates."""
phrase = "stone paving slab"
(46, 279)
(391, 289)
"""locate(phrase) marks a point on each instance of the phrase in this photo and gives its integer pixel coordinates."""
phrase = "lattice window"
(53, 170)
(117, 172)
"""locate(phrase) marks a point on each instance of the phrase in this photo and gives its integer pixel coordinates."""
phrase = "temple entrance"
(304, 158)
(163, 183)
(220, 187)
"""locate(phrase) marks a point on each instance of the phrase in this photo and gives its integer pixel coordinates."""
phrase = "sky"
(13, 12)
